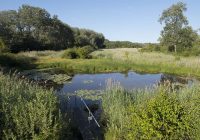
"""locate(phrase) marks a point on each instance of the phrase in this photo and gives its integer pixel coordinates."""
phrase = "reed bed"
(159, 113)
(27, 111)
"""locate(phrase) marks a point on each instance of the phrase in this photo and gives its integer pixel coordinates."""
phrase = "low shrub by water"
(162, 113)
(74, 53)
(16, 61)
(27, 111)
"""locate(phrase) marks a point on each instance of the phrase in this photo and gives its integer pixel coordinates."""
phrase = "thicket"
(78, 52)
(10, 60)
(190, 51)
(33, 28)
(162, 113)
(27, 111)
(122, 44)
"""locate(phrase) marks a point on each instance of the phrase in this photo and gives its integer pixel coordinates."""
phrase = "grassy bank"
(121, 60)
(106, 60)
(27, 111)
(17, 61)
(162, 113)
(153, 62)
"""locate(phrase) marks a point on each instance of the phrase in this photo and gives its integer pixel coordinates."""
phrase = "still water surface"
(130, 80)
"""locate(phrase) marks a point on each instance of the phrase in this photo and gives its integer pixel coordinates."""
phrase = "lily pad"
(45, 75)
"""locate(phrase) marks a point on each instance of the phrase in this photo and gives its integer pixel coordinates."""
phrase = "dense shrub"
(194, 51)
(3, 47)
(152, 114)
(151, 47)
(27, 111)
(79, 52)
(70, 54)
(84, 52)
(16, 61)
(84, 37)
(162, 117)
(122, 44)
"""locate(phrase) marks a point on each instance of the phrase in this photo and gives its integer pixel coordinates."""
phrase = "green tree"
(33, 28)
(176, 34)
(197, 43)
(84, 37)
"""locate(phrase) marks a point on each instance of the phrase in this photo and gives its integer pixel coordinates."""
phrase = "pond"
(76, 109)
(130, 80)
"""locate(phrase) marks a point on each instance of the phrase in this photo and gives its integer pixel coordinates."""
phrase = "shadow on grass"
(20, 62)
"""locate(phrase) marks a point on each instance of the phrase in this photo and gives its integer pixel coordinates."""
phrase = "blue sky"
(132, 20)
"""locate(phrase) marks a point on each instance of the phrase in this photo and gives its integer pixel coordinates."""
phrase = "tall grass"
(160, 113)
(154, 61)
(16, 61)
(38, 54)
(120, 60)
(27, 111)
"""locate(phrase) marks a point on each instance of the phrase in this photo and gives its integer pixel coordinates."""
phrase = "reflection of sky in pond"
(130, 80)
(98, 81)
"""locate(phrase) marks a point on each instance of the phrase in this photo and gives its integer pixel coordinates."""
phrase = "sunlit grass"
(47, 53)
(152, 61)
(119, 60)
(160, 113)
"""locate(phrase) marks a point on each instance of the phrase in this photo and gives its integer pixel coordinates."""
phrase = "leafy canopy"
(176, 34)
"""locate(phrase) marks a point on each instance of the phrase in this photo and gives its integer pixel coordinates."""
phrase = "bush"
(3, 47)
(194, 51)
(16, 61)
(151, 47)
(153, 114)
(74, 53)
(27, 111)
(85, 51)
(70, 54)
(162, 117)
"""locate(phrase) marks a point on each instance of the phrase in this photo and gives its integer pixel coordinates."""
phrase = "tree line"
(33, 28)
(122, 44)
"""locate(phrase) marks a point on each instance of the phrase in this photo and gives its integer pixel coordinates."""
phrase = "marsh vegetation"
(159, 113)
(155, 99)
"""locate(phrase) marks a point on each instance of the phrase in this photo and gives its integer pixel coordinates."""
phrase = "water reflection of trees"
(173, 79)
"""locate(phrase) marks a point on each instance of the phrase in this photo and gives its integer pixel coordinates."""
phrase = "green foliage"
(152, 114)
(3, 47)
(33, 28)
(163, 117)
(150, 47)
(118, 60)
(122, 44)
(82, 52)
(176, 35)
(16, 61)
(84, 37)
(197, 42)
(27, 111)
(70, 54)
